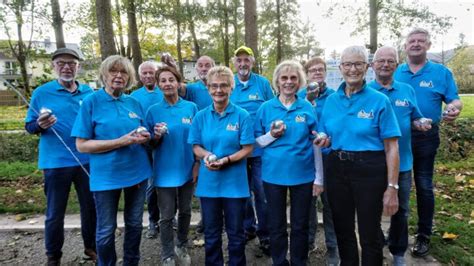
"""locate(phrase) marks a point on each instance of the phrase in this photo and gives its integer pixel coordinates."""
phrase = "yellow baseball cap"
(243, 49)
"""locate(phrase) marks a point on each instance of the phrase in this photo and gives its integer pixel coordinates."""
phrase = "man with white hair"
(149, 95)
(197, 92)
(403, 100)
(250, 92)
(433, 84)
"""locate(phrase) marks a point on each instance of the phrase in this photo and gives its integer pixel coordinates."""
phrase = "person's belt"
(354, 155)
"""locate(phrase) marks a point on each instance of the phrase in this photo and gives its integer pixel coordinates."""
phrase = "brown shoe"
(90, 254)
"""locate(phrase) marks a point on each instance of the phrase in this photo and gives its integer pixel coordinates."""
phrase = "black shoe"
(421, 247)
(153, 230)
(53, 261)
(90, 254)
(200, 228)
(265, 247)
(249, 236)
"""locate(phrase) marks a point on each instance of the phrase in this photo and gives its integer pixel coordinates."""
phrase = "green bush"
(457, 140)
(18, 147)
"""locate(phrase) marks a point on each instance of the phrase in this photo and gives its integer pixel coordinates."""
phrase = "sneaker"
(200, 227)
(332, 257)
(169, 262)
(152, 231)
(399, 261)
(53, 261)
(421, 247)
(90, 254)
(182, 255)
(265, 247)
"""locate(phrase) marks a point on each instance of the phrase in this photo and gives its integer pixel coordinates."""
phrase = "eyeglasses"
(314, 70)
(383, 61)
(222, 86)
(358, 65)
(115, 72)
(63, 63)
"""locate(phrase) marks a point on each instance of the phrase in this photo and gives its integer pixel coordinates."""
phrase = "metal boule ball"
(141, 130)
(424, 121)
(313, 87)
(322, 135)
(278, 124)
(212, 158)
(163, 129)
(45, 110)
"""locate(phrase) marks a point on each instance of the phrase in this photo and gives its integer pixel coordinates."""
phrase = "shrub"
(18, 147)
(457, 140)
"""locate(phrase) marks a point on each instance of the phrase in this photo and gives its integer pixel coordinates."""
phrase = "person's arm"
(318, 184)
(390, 197)
(100, 146)
(33, 127)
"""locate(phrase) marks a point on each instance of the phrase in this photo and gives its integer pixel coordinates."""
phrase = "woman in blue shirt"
(362, 167)
(284, 127)
(106, 128)
(222, 137)
(170, 121)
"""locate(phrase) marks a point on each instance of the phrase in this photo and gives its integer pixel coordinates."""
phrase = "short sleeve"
(83, 126)
(247, 130)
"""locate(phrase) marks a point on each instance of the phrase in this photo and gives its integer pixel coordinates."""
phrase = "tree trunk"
(178, 36)
(133, 34)
(251, 32)
(192, 29)
(120, 29)
(58, 24)
(106, 30)
(279, 45)
(226, 34)
(235, 23)
(373, 5)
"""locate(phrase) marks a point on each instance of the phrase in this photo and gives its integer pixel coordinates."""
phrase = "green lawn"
(468, 109)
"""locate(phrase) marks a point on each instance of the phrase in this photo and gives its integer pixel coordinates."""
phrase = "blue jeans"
(356, 183)
(57, 184)
(215, 212)
(167, 203)
(107, 206)
(424, 145)
(398, 233)
(254, 170)
(300, 200)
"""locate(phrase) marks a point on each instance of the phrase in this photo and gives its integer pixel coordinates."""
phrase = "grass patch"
(454, 204)
(468, 107)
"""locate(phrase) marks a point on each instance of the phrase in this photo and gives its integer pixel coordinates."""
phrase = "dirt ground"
(27, 248)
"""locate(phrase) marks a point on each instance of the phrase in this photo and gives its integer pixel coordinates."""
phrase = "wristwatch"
(395, 186)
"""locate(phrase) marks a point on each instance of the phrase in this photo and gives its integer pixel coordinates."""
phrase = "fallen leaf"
(19, 191)
(471, 182)
(449, 236)
(31, 201)
(443, 213)
(198, 243)
(460, 188)
(19, 217)
(471, 222)
(459, 178)
(444, 196)
(472, 214)
(33, 221)
(458, 216)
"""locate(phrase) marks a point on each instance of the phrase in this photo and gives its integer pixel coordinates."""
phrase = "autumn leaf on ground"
(471, 182)
(444, 196)
(449, 236)
(458, 216)
(472, 214)
(471, 222)
(443, 213)
(459, 178)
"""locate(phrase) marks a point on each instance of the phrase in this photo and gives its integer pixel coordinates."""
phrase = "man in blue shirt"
(403, 100)
(250, 92)
(433, 84)
(197, 92)
(62, 164)
(149, 95)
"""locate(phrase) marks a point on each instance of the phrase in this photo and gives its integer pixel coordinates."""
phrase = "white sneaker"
(182, 256)
(169, 262)
(399, 261)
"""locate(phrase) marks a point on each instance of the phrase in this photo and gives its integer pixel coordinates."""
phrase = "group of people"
(241, 147)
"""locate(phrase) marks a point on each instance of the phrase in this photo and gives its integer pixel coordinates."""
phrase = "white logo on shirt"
(186, 120)
(363, 114)
(132, 115)
(402, 103)
(426, 84)
(231, 127)
(253, 97)
(300, 119)
(80, 102)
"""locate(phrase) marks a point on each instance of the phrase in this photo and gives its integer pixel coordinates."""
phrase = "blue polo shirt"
(403, 100)
(288, 160)
(197, 93)
(360, 122)
(102, 117)
(320, 101)
(173, 158)
(251, 96)
(147, 98)
(65, 106)
(223, 136)
(433, 84)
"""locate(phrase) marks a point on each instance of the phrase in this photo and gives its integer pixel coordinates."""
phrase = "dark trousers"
(355, 185)
(300, 200)
(424, 146)
(216, 211)
(57, 184)
(398, 233)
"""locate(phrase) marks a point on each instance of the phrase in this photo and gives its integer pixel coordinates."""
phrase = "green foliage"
(468, 107)
(457, 140)
(18, 147)
(462, 66)
(11, 171)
